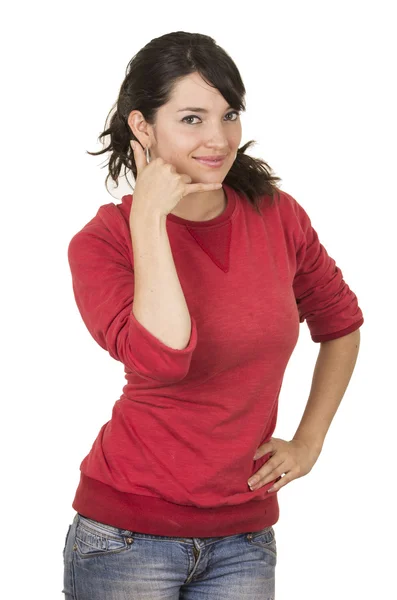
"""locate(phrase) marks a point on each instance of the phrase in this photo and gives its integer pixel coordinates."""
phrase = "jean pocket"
(264, 538)
(93, 538)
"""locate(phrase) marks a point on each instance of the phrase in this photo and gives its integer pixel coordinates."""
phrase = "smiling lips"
(210, 161)
(212, 157)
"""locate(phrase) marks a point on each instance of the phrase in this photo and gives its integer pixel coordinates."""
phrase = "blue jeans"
(102, 562)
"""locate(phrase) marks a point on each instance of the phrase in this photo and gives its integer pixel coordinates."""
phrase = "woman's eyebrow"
(197, 109)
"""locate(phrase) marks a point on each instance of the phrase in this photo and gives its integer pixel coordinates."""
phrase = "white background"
(321, 104)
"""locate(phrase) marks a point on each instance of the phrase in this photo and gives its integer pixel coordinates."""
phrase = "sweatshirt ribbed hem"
(146, 514)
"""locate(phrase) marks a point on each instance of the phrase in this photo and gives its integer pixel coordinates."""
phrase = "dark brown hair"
(150, 77)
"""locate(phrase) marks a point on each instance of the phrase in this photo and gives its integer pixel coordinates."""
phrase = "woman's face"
(180, 133)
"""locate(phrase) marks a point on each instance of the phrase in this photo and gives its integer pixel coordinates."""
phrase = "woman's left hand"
(294, 458)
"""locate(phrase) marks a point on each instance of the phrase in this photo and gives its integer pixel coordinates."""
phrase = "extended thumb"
(139, 157)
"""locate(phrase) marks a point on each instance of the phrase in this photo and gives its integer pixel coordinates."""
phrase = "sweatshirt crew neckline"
(220, 219)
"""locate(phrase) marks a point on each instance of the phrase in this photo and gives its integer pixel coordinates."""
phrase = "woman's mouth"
(214, 163)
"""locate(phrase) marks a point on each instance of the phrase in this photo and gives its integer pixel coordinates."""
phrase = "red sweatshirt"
(176, 455)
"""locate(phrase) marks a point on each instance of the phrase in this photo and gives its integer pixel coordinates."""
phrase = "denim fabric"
(102, 562)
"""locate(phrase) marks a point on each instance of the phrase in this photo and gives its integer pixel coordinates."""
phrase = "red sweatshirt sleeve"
(103, 286)
(323, 298)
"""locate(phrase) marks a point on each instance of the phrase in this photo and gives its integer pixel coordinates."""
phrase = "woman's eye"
(234, 112)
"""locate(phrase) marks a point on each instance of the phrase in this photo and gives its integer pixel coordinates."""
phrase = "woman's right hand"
(159, 188)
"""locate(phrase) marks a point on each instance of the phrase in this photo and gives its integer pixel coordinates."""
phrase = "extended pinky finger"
(192, 188)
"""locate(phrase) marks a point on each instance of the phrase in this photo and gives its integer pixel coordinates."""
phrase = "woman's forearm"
(159, 302)
(333, 370)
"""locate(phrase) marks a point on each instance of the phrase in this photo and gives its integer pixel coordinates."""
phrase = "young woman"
(197, 283)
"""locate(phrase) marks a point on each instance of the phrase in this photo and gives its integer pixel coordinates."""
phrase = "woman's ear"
(139, 127)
